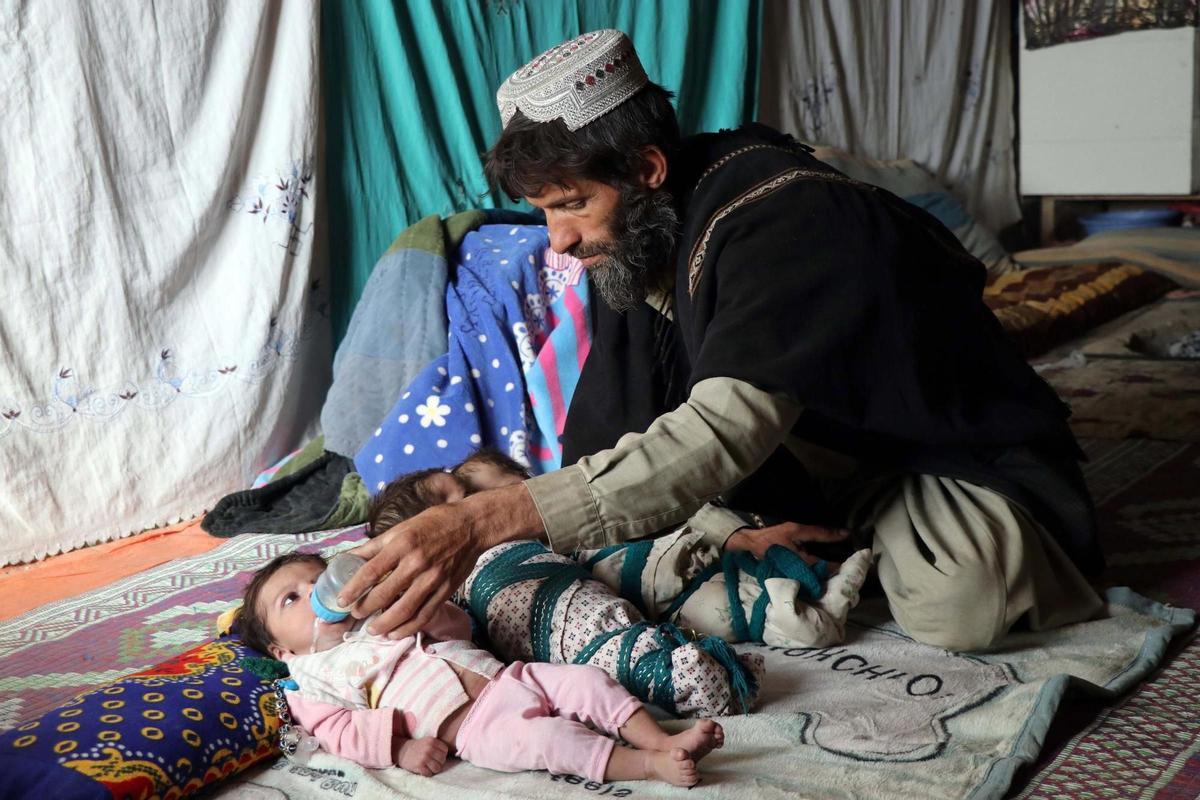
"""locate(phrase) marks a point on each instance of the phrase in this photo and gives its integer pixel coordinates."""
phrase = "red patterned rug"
(1147, 745)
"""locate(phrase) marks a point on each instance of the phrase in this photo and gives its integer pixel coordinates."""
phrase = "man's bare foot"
(700, 739)
(674, 766)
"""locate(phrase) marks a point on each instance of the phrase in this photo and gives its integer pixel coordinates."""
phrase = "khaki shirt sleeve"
(648, 482)
(717, 524)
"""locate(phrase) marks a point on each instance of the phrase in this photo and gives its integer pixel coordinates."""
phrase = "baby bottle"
(325, 591)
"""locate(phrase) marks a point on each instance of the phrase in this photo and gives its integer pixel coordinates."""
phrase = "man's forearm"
(504, 515)
(724, 431)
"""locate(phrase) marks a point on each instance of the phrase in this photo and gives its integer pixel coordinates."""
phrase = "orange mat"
(26, 586)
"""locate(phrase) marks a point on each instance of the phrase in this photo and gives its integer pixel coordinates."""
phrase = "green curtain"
(409, 86)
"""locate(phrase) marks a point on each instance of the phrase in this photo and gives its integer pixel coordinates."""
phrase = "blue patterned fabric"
(473, 395)
(167, 731)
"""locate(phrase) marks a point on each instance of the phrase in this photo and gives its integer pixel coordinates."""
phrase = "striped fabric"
(553, 375)
(413, 675)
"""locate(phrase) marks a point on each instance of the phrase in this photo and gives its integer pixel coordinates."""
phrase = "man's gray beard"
(645, 229)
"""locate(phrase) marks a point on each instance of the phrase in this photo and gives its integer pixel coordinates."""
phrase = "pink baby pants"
(531, 716)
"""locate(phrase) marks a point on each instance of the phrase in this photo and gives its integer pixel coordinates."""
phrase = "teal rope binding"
(651, 678)
(786, 564)
(696, 582)
(778, 562)
(544, 601)
(636, 557)
(603, 553)
(624, 672)
(737, 615)
(593, 647)
(742, 684)
(498, 574)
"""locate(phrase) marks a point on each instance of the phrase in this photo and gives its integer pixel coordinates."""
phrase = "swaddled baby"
(680, 581)
(535, 605)
(682, 577)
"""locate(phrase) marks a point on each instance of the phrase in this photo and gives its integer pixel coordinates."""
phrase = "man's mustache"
(587, 251)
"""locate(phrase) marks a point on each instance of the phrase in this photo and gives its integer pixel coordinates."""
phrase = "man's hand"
(791, 535)
(430, 555)
(423, 756)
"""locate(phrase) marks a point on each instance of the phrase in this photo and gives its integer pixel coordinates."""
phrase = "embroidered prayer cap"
(577, 81)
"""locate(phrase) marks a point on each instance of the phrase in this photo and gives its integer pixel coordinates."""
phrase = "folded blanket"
(511, 303)
(398, 326)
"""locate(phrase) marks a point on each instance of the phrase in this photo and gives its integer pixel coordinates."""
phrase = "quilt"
(878, 716)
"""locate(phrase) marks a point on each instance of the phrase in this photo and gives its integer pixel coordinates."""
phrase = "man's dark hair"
(250, 622)
(401, 499)
(529, 155)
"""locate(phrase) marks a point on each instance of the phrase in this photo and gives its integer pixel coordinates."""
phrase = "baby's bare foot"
(700, 739)
(674, 766)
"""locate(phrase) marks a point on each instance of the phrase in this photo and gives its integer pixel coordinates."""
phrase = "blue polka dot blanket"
(518, 335)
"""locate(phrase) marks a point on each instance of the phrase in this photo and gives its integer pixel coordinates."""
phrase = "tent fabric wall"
(163, 328)
(409, 89)
(928, 80)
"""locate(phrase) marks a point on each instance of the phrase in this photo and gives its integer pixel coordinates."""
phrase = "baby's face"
(284, 607)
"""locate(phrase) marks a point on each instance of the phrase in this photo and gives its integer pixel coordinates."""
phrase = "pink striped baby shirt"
(351, 695)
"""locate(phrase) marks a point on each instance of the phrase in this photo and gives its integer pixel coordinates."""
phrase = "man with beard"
(780, 336)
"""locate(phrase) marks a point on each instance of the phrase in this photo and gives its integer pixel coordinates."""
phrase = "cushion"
(909, 180)
(1174, 252)
(167, 731)
(1045, 306)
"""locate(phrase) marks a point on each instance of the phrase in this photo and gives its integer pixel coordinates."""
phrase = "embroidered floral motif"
(69, 395)
(282, 199)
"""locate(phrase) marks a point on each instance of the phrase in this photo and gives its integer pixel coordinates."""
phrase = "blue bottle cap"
(325, 614)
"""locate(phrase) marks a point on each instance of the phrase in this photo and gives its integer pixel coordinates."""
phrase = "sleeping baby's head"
(411, 494)
(276, 615)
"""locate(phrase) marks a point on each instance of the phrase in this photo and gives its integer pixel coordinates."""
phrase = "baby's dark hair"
(410, 494)
(250, 622)
(401, 499)
(490, 455)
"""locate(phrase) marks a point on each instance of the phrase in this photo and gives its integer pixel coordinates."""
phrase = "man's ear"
(654, 167)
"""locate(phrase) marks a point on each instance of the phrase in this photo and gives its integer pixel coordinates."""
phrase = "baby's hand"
(423, 756)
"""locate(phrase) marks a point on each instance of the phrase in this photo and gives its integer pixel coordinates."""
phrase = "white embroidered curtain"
(163, 325)
(928, 80)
